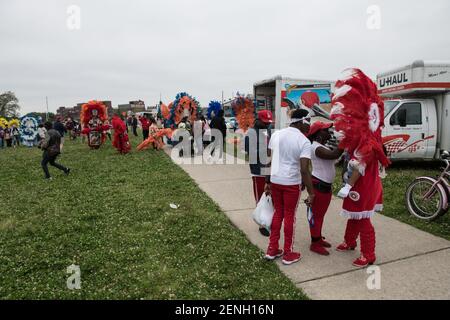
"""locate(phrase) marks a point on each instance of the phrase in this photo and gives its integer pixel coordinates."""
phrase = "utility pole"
(46, 102)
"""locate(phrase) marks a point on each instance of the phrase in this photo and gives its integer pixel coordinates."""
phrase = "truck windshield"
(389, 106)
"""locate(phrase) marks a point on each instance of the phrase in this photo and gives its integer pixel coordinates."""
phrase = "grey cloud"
(136, 49)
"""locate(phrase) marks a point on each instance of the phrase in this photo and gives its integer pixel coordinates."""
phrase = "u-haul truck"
(417, 107)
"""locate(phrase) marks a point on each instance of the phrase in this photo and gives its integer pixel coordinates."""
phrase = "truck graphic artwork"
(307, 95)
(399, 143)
(281, 94)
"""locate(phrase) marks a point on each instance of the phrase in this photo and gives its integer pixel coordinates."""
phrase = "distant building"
(74, 113)
(133, 106)
(153, 110)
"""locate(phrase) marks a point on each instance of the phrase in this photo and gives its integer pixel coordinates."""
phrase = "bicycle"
(428, 198)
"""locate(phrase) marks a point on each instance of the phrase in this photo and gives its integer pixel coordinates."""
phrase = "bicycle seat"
(445, 155)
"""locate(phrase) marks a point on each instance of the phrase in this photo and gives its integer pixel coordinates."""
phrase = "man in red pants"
(358, 112)
(291, 154)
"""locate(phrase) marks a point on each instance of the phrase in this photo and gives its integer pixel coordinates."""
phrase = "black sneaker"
(67, 172)
(264, 232)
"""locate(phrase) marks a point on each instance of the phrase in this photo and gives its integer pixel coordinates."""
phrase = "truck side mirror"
(401, 117)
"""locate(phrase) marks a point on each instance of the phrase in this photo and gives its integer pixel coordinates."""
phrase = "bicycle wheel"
(425, 201)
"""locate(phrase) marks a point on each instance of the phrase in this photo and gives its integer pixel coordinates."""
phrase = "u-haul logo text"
(396, 79)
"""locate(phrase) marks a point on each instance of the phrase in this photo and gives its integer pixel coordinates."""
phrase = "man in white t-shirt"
(291, 157)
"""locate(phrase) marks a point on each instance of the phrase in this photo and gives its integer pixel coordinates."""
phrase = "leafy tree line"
(9, 105)
(9, 108)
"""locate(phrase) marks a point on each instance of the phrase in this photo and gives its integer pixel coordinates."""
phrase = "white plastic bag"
(207, 134)
(264, 211)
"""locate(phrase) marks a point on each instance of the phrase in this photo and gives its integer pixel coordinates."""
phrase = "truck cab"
(417, 106)
(410, 130)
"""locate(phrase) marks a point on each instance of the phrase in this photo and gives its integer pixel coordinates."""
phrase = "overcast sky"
(135, 49)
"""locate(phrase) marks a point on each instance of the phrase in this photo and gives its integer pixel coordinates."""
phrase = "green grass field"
(112, 217)
(400, 175)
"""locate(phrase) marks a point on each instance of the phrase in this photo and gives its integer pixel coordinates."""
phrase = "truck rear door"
(406, 132)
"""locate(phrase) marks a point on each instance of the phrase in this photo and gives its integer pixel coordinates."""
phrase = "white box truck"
(417, 106)
(281, 94)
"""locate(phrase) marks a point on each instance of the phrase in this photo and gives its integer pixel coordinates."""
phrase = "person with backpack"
(51, 146)
(59, 126)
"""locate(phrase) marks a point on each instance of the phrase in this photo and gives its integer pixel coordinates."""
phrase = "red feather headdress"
(86, 112)
(358, 114)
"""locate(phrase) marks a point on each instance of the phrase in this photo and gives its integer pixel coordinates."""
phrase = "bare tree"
(9, 105)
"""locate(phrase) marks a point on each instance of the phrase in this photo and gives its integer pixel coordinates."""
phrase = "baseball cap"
(265, 116)
(319, 125)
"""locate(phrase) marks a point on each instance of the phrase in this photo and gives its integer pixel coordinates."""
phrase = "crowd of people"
(282, 162)
(9, 137)
(283, 170)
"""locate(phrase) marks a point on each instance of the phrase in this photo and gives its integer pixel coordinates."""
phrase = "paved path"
(413, 263)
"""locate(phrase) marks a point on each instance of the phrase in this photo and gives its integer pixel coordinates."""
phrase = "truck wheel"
(425, 201)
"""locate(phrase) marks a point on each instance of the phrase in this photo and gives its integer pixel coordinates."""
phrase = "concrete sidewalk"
(413, 263)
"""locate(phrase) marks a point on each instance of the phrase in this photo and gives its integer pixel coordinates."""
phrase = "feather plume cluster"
(244, 110)
(86, 112)
(358, 114)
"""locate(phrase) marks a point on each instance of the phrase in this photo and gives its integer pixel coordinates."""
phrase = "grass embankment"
(111, 217)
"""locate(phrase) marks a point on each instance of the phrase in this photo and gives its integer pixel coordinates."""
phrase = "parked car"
(231, 123)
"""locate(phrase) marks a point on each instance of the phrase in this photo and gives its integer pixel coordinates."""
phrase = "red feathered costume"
(358, 113)
(120, 139)
(92, 117)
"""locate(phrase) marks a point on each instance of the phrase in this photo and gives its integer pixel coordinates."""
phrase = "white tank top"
(322, 169)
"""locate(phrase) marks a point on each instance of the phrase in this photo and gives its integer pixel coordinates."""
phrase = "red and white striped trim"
(358, 215)
(379, 208)
(417, 85)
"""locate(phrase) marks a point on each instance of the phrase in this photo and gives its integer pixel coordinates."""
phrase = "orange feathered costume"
(155, 138)
(244, 110)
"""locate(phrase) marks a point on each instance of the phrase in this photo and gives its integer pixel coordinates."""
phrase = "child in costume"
(323, 161)
(358, 113)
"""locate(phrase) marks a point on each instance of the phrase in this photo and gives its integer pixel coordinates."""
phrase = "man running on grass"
(51, 147)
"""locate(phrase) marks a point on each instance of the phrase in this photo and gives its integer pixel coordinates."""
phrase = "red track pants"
(259, 182)
(365, 230)
(285, 201)
(319, 209)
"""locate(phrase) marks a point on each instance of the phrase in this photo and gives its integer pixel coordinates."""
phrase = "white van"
(417, 106)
